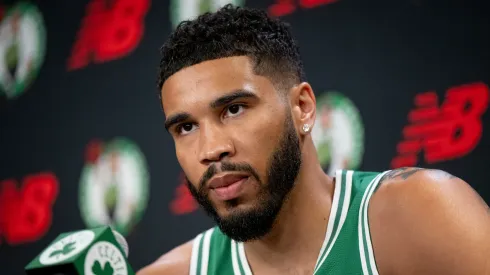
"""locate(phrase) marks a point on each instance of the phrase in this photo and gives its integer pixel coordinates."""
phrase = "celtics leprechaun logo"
(114, 185)
(187, 10)
(104, 258)
(338, 133)
(67, 247)
(22, 48)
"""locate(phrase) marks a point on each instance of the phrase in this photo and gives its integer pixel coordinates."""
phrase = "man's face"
(236, 142)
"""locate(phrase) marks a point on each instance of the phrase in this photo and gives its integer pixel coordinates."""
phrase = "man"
(240, 113)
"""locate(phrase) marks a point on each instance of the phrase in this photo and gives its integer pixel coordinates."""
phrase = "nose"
(214, 145)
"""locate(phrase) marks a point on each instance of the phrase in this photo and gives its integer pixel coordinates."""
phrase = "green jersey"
(346, 249)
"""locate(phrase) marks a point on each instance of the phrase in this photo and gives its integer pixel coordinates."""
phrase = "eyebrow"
(234, 95)
(217, 103)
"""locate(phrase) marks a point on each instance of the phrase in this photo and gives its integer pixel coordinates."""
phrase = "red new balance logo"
(108, 31)
(286, 7)
(26, 212)
(446, 132)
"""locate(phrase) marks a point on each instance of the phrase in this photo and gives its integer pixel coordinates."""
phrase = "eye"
(185, 128)
(234, 110)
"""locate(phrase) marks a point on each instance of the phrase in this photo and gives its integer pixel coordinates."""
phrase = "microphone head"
(122, 242)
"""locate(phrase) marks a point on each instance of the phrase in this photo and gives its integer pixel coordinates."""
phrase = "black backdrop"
(94, 93)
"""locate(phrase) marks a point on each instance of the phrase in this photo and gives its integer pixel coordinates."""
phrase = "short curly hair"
(234, 31)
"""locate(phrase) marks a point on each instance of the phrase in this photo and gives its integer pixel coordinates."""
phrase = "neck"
(299, 229)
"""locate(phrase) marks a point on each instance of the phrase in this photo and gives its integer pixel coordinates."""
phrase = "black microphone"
(97, 251)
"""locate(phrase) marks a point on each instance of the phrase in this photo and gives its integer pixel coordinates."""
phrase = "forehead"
(205, 81)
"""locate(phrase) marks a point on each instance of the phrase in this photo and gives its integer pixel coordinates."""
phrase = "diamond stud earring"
(306, 128)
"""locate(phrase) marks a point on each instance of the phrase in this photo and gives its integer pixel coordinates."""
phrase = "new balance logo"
(286, 7)
(109, 31)
(26, 212)
(447, 132)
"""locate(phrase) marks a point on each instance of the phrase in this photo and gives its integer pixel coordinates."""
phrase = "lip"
(230, 191)
(224, 180)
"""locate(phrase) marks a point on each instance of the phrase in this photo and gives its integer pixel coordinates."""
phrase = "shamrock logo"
(67, 248)
(106, 270)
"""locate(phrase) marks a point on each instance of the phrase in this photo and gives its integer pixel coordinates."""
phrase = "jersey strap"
(200, 253)
(239, 258)
(338, 213)
(365, 246)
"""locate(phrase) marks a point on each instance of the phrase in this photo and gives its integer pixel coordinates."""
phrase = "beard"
(253, 223)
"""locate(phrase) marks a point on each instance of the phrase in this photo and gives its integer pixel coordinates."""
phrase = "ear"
(303, 107)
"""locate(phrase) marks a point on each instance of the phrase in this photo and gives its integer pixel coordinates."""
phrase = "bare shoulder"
(434, 222)
(414, 186)
(176, 261)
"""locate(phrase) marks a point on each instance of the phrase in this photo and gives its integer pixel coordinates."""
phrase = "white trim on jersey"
(194, 256)
(363, 228)
(367, 235)
(205, 251)
(234, 259)
(243, 259)
(331, 218)
(359, 228)
(343, 215)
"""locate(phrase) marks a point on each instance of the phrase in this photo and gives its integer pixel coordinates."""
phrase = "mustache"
(227, 167)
